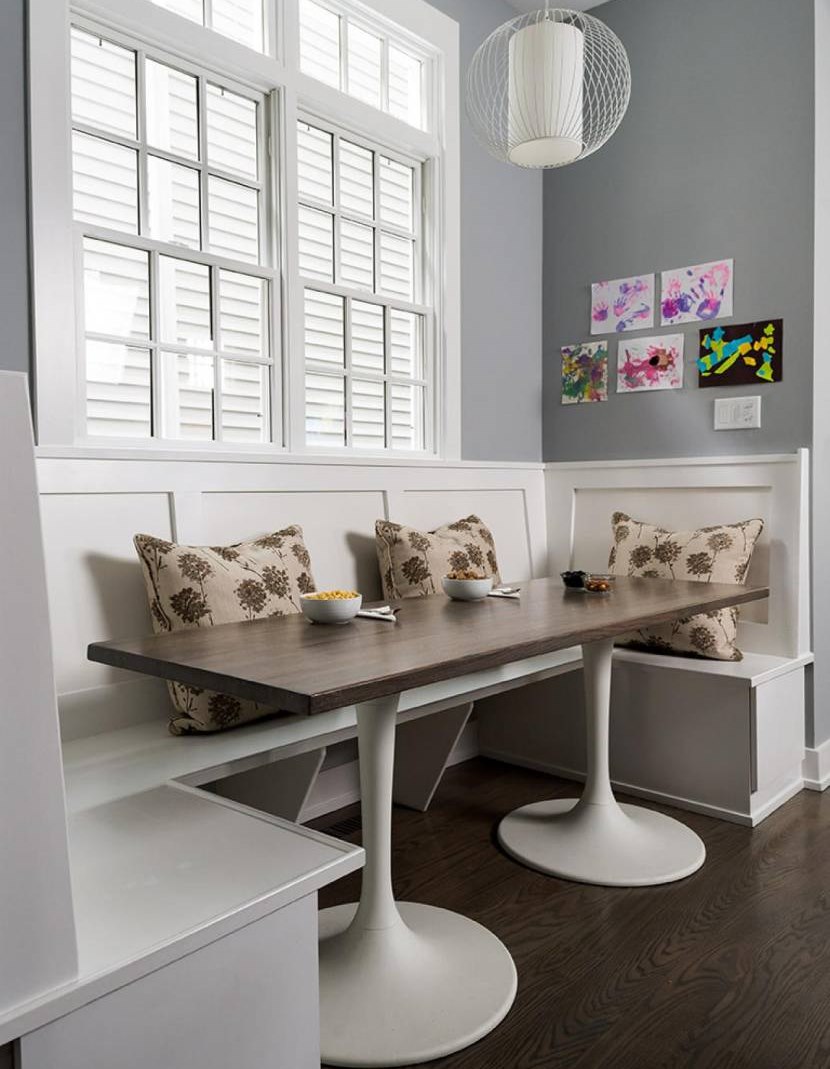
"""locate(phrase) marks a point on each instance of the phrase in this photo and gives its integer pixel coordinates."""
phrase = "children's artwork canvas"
(701, 292)
(645, 364)
(742, 354)
(585, 373)
(624, 304)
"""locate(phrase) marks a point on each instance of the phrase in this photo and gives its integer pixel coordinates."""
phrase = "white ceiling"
(537, 5)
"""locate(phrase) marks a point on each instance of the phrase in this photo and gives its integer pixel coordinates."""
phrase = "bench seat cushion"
(707, 555)
(199, 586)
(412, 562)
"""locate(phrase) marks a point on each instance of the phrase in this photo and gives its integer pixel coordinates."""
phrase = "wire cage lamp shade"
(549, 88)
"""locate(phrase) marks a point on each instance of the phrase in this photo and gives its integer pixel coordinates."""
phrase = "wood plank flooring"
(728, 969)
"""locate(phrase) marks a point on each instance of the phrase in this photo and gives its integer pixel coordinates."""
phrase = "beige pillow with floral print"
(412, 563)
(199, 586)
(708, 555)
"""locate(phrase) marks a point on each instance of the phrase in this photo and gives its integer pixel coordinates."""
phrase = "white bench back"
(92, 508)
(688, 493)
(37, 930)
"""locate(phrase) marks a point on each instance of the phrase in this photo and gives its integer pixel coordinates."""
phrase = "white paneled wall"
(92, 508)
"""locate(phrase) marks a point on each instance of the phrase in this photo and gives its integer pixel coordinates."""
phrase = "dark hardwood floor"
(728, 969)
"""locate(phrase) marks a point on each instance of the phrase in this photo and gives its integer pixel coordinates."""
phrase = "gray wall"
(14, 286)
(501, 258)
(501, 279)
(714, 159)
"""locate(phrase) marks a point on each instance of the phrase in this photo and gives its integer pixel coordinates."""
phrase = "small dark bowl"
(573, 580)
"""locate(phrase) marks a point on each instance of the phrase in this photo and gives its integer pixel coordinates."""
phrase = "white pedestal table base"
(401, 983)
(594, 839)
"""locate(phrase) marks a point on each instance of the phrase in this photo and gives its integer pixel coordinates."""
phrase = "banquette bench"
(675, 720)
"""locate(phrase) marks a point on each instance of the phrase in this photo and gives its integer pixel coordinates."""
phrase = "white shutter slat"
(315, 177)
(241, 20)
(184, 302)
(233, 220)
(173, 202)
(316, 233)
(364, 65)
(396, 182)
(172, 116)
(405, 77)
(367, 336)
(187, 392)
(244, 402)
(356, 180)
(116, 290)
(324, 328)
(242, 304)
(396, 265)
(407, 416)
(103, 84)
(320, 43)
(118, 395)
(325, 419)
(105, 185)
(231, 131)
(357, 255)
(368, 414)
(406, 357)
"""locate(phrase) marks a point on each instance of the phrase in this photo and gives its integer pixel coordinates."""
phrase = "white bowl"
(467, 589)
(330, 611)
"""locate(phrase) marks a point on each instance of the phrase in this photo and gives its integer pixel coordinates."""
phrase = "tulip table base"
(594, 839)
(401, 983)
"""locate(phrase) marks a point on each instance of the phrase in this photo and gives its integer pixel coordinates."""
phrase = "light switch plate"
(737, 413)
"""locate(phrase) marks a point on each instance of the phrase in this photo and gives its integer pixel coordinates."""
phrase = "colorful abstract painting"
(585, 373)
(650, 364)
(743, 354)
(624, 304)
(692, 294)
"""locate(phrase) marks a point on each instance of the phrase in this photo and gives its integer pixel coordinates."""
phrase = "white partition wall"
(37, 929)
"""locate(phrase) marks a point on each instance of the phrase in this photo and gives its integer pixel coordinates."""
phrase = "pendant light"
(549, 88)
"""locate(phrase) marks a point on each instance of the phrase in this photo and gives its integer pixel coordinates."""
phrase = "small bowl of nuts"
(466, 585)
(331, 606)
(598, 583)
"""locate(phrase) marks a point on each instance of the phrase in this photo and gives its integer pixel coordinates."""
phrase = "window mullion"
(217, 361)
(347, 360)
(335, 221)
(204, 215)
(155, 353)
(141, 130)
(387, 369)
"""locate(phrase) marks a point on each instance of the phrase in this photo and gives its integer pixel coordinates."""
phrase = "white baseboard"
(816, 767)
(337, 787)
(734, 816)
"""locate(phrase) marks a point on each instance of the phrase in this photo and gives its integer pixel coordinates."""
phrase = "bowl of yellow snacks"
(466, 585)
(331, 606)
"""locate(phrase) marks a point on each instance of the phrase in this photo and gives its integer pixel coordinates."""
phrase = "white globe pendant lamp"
(549, 88)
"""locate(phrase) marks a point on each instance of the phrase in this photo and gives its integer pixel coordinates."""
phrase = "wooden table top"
(291, 664)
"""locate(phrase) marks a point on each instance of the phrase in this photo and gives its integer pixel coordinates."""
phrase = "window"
(241, 20)
(245, 241)
(170, 205)
(359, 230)
(363, 61)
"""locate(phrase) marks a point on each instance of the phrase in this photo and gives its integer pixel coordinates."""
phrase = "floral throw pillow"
(413, 562)
(199, 586)
(708, 555)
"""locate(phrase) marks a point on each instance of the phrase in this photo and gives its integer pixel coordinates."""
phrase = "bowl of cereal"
(466, 585)
(331, 606)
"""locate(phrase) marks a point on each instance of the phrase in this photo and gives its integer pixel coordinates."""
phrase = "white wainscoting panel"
(685, 494)
(93, 506)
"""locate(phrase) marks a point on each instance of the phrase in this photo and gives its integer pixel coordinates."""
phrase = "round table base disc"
(427, 987)
(611, 845)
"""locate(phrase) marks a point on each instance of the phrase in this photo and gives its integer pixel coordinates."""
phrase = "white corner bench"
(721, 738)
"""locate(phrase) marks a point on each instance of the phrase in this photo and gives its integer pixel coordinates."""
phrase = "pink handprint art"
(699, 293)
(622, 304)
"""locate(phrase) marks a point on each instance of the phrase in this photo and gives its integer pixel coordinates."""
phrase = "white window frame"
(55, 319)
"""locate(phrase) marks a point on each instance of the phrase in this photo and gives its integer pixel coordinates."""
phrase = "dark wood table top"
(291, 664)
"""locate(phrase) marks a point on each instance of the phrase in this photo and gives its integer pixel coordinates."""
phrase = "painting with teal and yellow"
(742, 355)
(585, 373)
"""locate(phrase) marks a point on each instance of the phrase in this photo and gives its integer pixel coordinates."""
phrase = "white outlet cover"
(737, 413)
